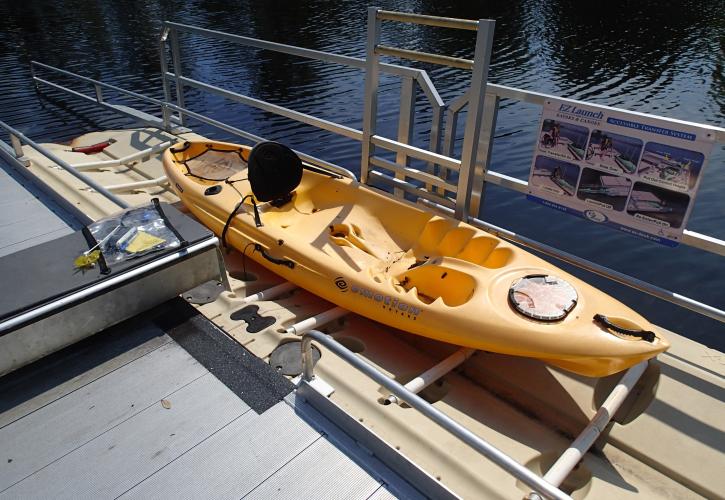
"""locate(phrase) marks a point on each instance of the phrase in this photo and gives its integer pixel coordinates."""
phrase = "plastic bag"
(133, 232)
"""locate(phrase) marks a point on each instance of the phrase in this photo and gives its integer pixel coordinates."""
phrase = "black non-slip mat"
(250, 378)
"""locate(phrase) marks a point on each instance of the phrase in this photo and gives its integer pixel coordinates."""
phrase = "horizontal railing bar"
(255, 139)
(426, 57)
(441, 22)
(80, 95)
(476, 442)
(413, 173)
(274, 108)
(587, 265)
(418, 153)
(412, 189)
(703, 242)
(538, 98)
(111, 107)
(99, 83)
(506, 181)
(690, 238)
(355, 62)
(65, 166)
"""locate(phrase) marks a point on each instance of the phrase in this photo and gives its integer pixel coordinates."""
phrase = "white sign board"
(636, 173)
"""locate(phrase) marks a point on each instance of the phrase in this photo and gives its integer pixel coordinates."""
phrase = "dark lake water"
(664, 58)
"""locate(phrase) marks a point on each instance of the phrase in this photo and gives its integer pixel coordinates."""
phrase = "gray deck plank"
(27, 241)
(58, 428)
(118, 459)
(322, 472)
(235, 460)
(26, 216)
(64, 388)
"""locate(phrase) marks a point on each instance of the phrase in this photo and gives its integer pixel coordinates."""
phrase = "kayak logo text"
(390, 302)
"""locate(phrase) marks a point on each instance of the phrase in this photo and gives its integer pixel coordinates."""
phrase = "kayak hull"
(404, 266)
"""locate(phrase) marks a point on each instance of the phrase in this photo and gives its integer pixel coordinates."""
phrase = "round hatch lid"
(543, 297)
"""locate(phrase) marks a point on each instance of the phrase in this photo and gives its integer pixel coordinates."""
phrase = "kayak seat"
(274, 172)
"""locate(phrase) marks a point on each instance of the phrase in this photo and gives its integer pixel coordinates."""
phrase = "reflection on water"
(646, 56)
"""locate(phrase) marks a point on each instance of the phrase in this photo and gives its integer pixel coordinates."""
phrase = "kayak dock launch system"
(467, 425)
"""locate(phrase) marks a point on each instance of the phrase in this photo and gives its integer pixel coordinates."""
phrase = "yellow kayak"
(399, 264)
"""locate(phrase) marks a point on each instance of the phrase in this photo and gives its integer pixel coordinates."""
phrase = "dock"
(131, 413)
(185, 400)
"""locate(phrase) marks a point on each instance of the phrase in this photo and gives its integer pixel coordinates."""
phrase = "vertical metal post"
(485, 146)
(436, 124)
(308, 365)
(99, 93)
(165, 111)
(17, 145)
(370, 111)
(482, 58)
(176, 56)
(32, 75)
(406, 124)
(449, 140)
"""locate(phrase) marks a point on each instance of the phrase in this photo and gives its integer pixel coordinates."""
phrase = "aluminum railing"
(18, 138)
(409, 78)
(482, 446)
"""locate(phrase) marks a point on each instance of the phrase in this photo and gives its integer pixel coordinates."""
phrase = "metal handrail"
(64, 165)
(255, 138)
(128, 93)
(440, 22)
(426, 57)
(273, 108)
(318, 55)
(479, 444)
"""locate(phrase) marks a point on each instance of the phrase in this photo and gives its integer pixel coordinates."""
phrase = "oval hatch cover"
(542, 297)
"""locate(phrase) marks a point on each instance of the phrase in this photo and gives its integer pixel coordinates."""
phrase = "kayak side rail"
(520, 472)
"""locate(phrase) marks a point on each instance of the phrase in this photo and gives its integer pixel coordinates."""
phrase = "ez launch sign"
(636, 173)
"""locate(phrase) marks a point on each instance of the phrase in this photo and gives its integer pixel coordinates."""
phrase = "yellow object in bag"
(143, 241)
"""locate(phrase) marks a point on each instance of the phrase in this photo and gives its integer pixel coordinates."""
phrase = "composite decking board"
(32, 241)
(232, 462)
(69, 422)
(27, 216)
(115, 461)
(250, 378)
(48, 379)
(353, 451)
(321, 471)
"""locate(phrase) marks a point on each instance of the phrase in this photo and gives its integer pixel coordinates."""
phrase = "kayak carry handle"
(282, 262)
(642, 334)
